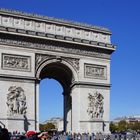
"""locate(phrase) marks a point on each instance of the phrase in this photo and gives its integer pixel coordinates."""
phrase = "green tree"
(46, 126)
(49, 126)
(122, 126)
(134, 126)
(41, 127)
(113, 127)
(137, 126)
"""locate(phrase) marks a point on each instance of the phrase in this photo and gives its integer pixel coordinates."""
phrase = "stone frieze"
(95, 71)
(52, 46)
(15, 62)
(52, 28)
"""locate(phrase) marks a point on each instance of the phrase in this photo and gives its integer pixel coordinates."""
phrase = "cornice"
(15, 77)
(51, 37)
(90, 84)
(55, 46)
(54, 20)
(76, 36)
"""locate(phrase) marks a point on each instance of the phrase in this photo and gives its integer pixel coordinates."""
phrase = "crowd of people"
(51, 135)
(29, 135)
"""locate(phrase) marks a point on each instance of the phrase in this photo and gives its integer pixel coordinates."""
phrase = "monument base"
(16, 123)
(94, 126)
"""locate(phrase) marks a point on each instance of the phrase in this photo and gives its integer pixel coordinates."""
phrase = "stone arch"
(61, 61)
(31, 43)
(65, 73)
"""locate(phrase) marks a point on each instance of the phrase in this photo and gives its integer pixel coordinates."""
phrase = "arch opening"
(51, 104)
(64, 76)
(59, 72)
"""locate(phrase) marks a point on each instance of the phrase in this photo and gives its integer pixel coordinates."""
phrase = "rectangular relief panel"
(94, 71)
(16, 62)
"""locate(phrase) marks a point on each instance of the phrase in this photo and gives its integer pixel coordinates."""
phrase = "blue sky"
(122, 17)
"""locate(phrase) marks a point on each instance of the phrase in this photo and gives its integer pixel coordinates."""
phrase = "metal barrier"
(99, 137)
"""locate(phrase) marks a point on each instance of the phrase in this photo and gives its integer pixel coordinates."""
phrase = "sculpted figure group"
(15, 62)
(95, 107)
(16, 101)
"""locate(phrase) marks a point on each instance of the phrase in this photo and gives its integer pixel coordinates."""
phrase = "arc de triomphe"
(34, 47)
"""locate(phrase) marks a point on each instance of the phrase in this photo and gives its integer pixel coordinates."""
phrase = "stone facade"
(34, 47)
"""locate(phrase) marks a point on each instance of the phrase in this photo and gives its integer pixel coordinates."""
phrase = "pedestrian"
(32, 135)
(4, 135)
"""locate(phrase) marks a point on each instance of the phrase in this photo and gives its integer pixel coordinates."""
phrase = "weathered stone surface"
(77, 55)
(74, 30)
(16, 62)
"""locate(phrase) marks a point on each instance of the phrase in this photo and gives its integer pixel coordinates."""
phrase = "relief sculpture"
(95, 71)
(73, 61)
(16, 101)
(95, 107)
(16, 62)
(40, 58)
(21, 23)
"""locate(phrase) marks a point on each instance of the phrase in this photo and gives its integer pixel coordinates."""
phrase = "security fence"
(97, 137)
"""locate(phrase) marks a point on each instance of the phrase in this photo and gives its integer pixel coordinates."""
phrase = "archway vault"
(62, 71)
(58, 69)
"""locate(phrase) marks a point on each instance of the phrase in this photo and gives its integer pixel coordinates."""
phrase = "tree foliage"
(46, 126)
(41, 127)
(113, 127)
(124, 126)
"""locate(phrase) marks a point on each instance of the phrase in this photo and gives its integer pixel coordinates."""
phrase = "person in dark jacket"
(4, 134)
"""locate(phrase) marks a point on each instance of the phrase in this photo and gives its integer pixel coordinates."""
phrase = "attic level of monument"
(41, 18)
(17, 23)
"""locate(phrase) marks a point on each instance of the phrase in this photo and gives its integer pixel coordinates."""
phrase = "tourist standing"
(4, 135)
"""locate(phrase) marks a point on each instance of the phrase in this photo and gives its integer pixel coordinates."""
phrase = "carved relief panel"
(95, 71)
(40, 58)
(16, 62)
(95, 105)
(73, 61)
(16, 101)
